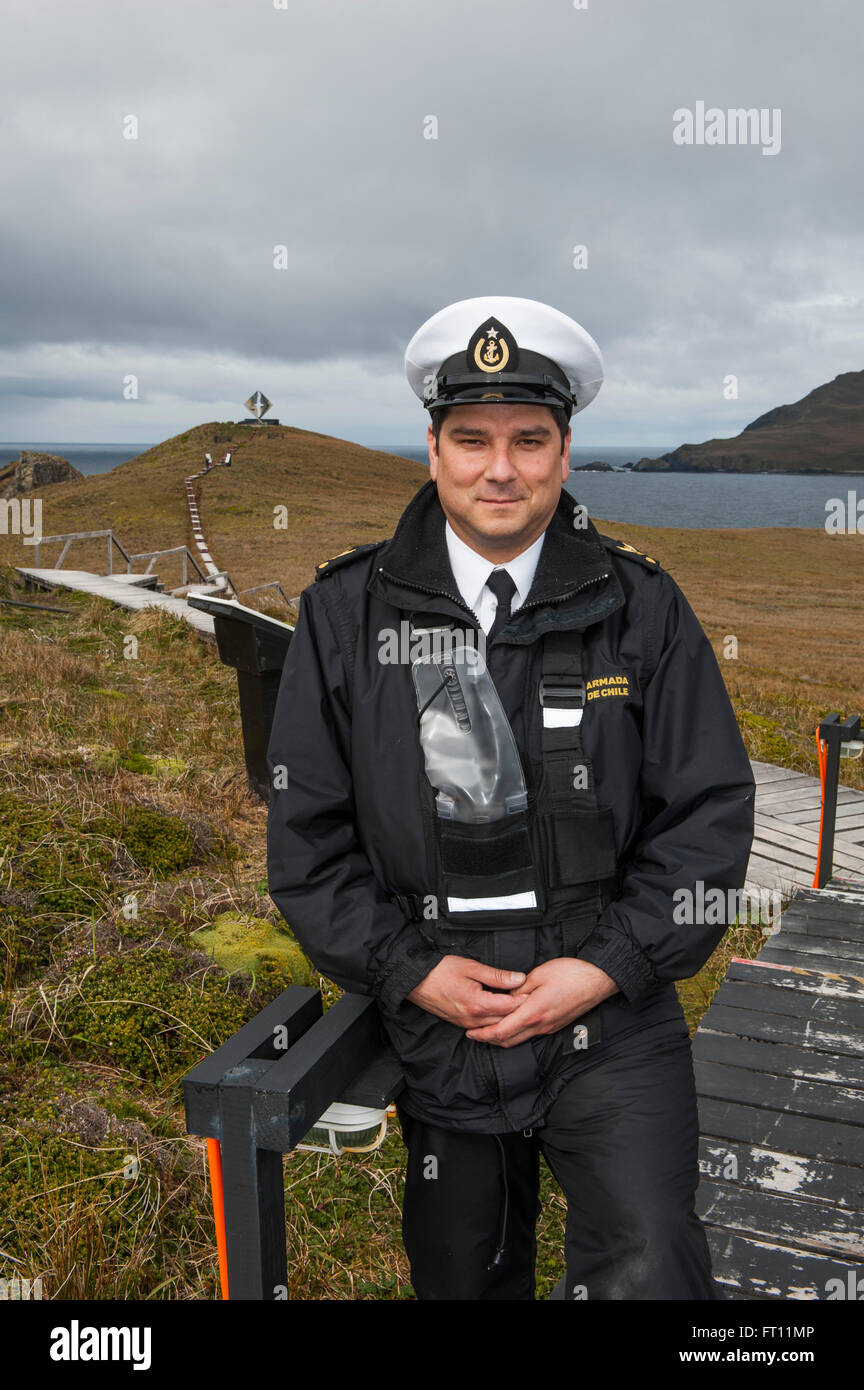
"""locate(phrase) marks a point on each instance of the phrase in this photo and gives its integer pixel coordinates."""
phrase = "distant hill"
(823, 433)
(336, 493)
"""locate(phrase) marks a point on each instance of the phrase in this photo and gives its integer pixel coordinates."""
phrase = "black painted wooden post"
(259, 1098)
(832, 732)
(254, 1194)
(256, 646)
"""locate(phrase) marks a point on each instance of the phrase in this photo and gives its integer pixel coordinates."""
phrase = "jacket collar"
(413, 569)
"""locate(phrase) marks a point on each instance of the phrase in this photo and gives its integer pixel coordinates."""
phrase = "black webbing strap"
(569, 775)
(411, 904)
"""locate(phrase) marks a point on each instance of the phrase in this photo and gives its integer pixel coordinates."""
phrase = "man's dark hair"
(562, 420)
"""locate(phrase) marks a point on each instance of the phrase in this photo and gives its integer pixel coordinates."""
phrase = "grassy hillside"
(336, 493)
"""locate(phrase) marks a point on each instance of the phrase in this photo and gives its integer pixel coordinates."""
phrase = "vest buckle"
(562, 691)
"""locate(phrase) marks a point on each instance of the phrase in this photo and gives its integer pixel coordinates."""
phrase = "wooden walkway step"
(779, 1064)
(786, 837)
(119, 589)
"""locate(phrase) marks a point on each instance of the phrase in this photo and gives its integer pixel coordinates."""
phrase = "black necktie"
(502, 585)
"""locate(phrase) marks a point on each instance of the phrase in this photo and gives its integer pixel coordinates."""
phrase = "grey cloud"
(305, 128)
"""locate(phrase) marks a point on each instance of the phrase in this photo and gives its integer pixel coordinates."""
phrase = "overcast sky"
(303, 127)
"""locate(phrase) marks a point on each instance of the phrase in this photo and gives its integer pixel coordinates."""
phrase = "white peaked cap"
(536, 328)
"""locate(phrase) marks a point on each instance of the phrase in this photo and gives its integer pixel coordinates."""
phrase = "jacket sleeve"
(317, 873)
(697, 791)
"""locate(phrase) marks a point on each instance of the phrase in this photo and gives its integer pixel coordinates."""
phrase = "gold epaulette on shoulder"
(328, 566)
(631, 553)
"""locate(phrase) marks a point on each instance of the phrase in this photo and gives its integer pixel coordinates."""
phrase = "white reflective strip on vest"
(510, 900)
(561, 718)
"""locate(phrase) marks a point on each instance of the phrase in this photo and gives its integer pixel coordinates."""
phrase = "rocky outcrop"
(821, 433)
(598, 467)
(32, 471)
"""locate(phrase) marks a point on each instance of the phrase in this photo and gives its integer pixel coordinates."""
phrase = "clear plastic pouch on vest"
(468, 746)
(485, 865)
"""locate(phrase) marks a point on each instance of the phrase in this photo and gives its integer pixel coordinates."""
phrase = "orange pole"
(823, 763)
(214, 1159)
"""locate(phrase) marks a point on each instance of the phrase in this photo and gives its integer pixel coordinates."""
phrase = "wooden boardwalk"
(779, 1063)
(126, 589)
(786, 838)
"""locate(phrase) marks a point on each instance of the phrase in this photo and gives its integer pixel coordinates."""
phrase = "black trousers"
(621, 1140)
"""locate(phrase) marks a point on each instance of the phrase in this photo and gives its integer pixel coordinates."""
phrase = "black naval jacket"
(346, 840)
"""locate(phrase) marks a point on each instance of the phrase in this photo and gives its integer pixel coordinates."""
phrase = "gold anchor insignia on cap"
(491, 347)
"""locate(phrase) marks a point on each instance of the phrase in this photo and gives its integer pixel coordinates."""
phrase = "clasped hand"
(463, 992)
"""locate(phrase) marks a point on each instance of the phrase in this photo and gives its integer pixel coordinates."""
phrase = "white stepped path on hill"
(786, 839)
(195, 519)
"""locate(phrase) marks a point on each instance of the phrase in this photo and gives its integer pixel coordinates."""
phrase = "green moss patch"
(239, 942)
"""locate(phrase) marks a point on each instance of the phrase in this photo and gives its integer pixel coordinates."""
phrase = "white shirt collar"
(471, 570)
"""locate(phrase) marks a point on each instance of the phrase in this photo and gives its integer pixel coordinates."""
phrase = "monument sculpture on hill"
(259, 405)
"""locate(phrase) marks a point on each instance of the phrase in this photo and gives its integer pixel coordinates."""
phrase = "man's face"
(499, 471)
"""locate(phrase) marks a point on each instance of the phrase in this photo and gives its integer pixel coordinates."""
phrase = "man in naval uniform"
(524, 965)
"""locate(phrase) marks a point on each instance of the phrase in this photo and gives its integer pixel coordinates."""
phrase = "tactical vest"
(553, 861)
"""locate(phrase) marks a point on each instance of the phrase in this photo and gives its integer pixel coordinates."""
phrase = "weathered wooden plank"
(765, 873)
(793, 848)
(800, 1224)
(819, 948)
(794, 1004)
(771, 1028)
(813, 963)
(812, 816)
(806, 829)
(832, 899)
(785, 977)
(777, 1059)
(805, 1136)
(768, 1269)
(805, 842)
(836, 907)
(809, 1099)
(828, 928)
(783, 848)
(804, 799)
(810, 959)
(766, 773)
(851, 892)
(770, 1170)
